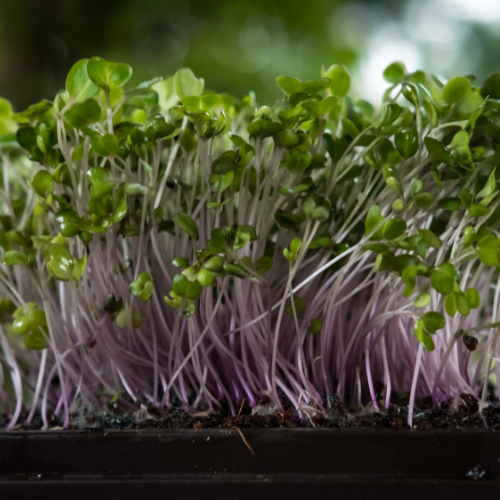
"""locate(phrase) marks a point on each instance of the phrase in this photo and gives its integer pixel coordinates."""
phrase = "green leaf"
(423, 200)
(28, 323)
(263, 128)
(166, 93)
(208, 101)
(375, 247)
(186, 224)
(478, 211)
(471, 124)
(323, 240)
(394, 184)
(340, 80)
(460, 139)
(180, 262)
(14, 258)
(450, 304)
(106, 145)
(79, 266)
(398, 205)
(43, 183)
(218, 242)
(162, 128)
(489, 186)
(349, 128)
(186, 84)
(431, 113)
(236, 139)
(84, 114)
(122, 318)
(78, 84)
(296, 162)
(205, 277)
(456, 89)
(315, 326)
(121, 210)
(287, 138)
(94, 207)
(491, 87)
(433, 321)
(135, 189)
(437, 151)
(34, 112)
(410, 93)
(288, 220)
(463, 306)
(320, 214)
(108, 75)
(60, 263)
(487, 250)
(406, 143)
(235, 270)
(473, 298)
(62, 175)
(142, 287)
(116, 397)
(26, 137)
(394, 228)
(430, 238)
(319, 108)
(193, 290)
(243, 235)
(422, 336)
(36, 341)
(144, 99)
(147, 84)
(422, 300)
(408, 276)
(300, 307)
(395, 72)
(295, 245)
(443, 277)
(180, 284)
(450, 204)
(221, 182)
(373, 219)
(214, 264)
(485, 202)
(290, 85)
(469, 236)
(384, 261)
(111, 305)
(388, 115)
(100, 178)
(264, 264)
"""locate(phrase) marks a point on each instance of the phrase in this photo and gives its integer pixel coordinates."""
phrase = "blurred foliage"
(234, 45)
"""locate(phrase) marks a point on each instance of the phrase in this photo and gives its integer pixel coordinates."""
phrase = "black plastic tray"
(288, 463)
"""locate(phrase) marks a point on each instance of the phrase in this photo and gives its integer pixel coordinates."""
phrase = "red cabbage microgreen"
(174, 247)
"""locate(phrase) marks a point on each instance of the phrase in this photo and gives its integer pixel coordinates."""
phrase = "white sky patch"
(383, 50)
(481, 11)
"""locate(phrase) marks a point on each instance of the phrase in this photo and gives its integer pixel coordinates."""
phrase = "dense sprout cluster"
(166, 246)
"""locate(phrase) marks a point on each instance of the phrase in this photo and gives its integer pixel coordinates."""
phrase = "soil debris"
(461, 413)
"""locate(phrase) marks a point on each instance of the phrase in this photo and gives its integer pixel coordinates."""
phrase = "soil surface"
(462, 413)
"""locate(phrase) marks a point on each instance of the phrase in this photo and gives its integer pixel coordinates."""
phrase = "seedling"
(168, 244)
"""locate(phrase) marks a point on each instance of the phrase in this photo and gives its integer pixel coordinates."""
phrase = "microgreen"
(288, 241)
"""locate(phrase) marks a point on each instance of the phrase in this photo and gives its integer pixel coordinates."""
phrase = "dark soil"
(462, 413)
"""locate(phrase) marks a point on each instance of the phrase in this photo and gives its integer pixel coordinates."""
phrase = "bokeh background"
(244, 44)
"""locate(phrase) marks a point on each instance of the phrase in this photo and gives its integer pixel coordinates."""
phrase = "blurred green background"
(241, 45)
